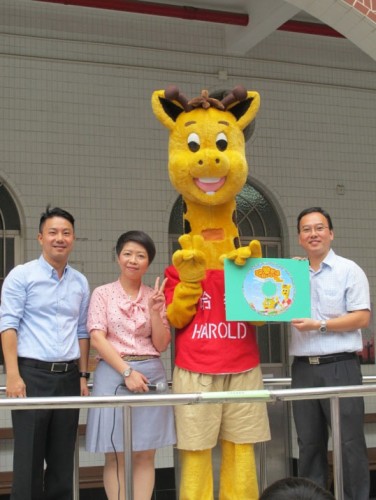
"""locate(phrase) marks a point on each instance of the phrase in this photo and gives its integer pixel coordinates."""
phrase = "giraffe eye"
(221, 142)
(193, 142)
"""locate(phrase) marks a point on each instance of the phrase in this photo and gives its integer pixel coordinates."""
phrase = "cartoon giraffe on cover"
(208, 167)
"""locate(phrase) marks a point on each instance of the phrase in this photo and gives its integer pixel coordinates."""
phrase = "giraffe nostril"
(217, 160)
(200, 162)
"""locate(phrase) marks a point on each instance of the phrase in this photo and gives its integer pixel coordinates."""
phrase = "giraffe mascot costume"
(208, 167)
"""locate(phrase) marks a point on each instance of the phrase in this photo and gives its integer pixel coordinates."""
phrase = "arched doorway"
(10, 227)
(257, 218)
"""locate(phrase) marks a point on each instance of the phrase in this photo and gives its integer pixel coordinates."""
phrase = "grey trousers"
(312, 422)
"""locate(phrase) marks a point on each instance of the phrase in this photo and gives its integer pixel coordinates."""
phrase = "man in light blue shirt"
(325, 350)
(45, 344)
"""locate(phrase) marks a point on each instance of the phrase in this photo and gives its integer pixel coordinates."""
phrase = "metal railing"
(147, 399)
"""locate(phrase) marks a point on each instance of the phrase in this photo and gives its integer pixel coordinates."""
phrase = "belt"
(138, 358)
(54, 367)
(327, 358)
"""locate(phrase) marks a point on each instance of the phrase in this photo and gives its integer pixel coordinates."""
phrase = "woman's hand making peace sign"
(157, 299)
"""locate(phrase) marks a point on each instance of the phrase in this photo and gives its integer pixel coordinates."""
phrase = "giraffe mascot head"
(207, 163)
(208, 167)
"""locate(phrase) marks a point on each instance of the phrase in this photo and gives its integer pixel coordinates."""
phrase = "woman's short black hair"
(138, 237)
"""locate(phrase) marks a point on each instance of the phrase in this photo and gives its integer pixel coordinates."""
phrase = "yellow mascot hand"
(240, 255)
(190, 261)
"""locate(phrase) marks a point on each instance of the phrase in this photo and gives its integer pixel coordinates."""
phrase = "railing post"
(337, 447)
(76, 469)
(128, 466)
(263, 471)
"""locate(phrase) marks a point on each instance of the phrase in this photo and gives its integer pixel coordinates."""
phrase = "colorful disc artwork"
(269, 289)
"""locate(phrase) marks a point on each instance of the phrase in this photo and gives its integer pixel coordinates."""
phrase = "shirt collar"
(330, 258)
(50, 269)
(328, 261)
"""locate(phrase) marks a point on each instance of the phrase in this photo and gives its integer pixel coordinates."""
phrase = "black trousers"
(44, 440)
(312, 420)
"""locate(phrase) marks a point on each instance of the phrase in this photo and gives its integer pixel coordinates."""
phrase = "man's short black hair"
(54, 212)
(312, 210)
(139, 237)
(295, 488)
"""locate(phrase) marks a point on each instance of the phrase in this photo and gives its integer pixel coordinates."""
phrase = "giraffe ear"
(245, 111)
(165, 110)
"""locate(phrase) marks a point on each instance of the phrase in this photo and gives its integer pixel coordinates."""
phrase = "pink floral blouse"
(125, 321)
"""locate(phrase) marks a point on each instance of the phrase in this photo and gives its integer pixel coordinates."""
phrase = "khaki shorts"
(199, 426)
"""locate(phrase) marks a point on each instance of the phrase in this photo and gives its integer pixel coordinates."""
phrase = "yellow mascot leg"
(238, 479)
(196, 479)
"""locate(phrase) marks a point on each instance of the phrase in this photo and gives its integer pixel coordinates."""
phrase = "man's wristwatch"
(85, 375)
(127, 372)
(322, 328)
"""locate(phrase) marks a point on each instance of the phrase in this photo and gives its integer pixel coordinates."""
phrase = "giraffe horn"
(172, 93)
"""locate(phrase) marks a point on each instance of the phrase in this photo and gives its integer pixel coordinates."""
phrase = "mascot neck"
(215, 224)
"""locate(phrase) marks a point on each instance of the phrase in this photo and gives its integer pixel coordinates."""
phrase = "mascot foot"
(238, 479)
(196, 480)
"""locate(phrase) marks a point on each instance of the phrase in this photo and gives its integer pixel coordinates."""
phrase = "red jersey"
(209, 343)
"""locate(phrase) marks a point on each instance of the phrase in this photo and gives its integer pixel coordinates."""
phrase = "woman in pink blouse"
(128, 327)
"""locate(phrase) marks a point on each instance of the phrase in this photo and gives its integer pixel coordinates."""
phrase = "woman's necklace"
(131, 296)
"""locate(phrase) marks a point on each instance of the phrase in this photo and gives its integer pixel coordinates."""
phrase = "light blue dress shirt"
(48, 314)
(340, 286)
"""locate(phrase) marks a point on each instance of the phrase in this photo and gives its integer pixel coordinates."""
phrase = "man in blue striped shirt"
(45, 344)
(325, 349)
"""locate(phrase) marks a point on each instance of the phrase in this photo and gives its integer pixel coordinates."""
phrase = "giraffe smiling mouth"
(209, 184)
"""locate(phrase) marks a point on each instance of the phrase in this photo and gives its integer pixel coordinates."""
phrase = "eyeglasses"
(320, 228)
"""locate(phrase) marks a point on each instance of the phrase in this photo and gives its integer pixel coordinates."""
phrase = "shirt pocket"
(331, 300)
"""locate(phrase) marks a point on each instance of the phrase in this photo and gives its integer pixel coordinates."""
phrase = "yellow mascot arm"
(183, 307)
(240, 255)
(190, 261)
(190, 264)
